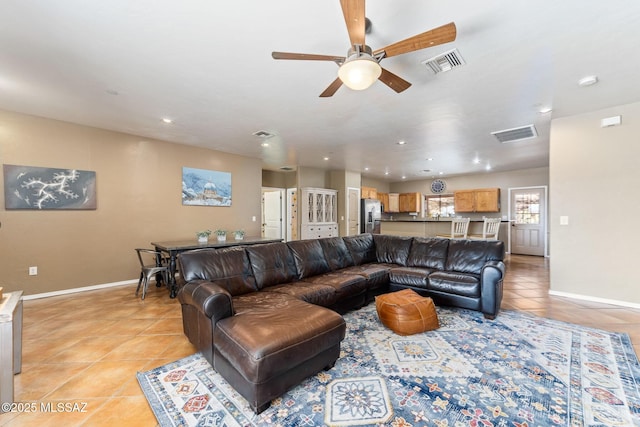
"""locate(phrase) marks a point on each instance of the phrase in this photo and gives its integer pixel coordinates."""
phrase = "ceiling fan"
(361, 67)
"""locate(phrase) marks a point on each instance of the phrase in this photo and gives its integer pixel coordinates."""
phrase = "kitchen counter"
(423, 227)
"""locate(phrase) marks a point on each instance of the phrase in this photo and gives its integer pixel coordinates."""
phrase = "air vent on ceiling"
(445, 61)
(263, 134)
(287, 168)
(516, 134)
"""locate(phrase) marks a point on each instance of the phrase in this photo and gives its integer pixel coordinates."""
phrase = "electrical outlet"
(33, 271)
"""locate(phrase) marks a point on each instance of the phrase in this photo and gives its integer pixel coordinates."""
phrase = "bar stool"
(149, 267)
(490, 230)
(459, 228)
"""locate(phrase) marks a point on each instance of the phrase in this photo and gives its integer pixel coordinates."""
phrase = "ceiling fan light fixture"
(359, 71)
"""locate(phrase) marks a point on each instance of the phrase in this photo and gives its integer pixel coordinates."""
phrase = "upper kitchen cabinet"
(384, 199)
(394, 203)
(410, 202)
(478, 200)
(368, 193)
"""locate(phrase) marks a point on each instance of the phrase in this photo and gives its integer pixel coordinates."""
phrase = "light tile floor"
(87, 347)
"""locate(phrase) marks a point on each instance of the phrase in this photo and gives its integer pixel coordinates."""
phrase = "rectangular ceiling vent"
(445, 61)
(516, 134)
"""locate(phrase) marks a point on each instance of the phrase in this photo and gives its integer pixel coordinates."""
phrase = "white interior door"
(528, 215)
(272, 214)
(353, 214)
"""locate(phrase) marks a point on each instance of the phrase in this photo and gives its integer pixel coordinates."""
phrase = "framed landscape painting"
(202, 187)
(29, 187)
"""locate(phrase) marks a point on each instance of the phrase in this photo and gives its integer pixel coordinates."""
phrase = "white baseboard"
(595, 299)
(75, 290)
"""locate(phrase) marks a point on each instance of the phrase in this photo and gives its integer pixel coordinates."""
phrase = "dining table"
(174, 247)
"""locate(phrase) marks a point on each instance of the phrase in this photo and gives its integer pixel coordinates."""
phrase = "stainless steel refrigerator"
(370, 213)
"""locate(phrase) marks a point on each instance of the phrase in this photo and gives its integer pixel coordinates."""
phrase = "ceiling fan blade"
(353, 11)
(333, 87)
(440, 35)
(394, 82)
(306, 56)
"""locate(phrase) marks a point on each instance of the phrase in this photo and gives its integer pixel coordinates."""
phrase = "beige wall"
(595, 182)
(380, 185)
(139, 200)
(276, 179)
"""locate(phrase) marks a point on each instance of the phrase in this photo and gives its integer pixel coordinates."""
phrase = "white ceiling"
(208, 66)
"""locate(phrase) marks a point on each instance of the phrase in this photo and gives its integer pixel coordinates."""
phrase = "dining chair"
(459, 228)
(490, 230)
(149, 268)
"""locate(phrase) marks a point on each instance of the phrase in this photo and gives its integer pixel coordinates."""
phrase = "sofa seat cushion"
(268, 341)
(410, 276)
(314, 293)
(257, 300)
(345, 285)
(454, 283)
(272, 264)
(376, 275)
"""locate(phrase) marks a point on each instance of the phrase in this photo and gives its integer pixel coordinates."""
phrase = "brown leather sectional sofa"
(267, 316)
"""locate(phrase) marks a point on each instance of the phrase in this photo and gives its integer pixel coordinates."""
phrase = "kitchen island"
(431, 227)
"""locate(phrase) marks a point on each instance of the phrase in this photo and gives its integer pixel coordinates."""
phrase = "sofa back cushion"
(362, 248)
(336, 253)
(272, 264)
(392, 249)
(228, 267)
(309, 258)
(468, 256)
(428, 252)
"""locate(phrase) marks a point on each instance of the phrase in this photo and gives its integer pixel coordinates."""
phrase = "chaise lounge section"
(268, 316)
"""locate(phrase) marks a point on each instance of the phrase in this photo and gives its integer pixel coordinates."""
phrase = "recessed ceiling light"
(264, 144)
(386, 173)
(326, 158)
(545, 110)
(588, 81)
(167, 120)
(440, 173)
(488, 167)
(401, 142)
(476, 161)
(112, 92)
(404, 177)
(430, 159)
(366, 169)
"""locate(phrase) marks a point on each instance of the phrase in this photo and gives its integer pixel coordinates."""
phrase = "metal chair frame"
(148, 271)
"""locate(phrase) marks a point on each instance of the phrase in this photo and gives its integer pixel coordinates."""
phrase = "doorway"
(528, 220)
(353, 211)
(272, 209)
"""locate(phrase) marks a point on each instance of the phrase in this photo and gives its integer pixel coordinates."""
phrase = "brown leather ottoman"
(407, 313)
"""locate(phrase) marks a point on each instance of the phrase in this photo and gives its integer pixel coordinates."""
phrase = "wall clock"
(438, 186)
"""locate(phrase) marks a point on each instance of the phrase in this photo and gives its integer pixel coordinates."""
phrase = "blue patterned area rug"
(518, 370)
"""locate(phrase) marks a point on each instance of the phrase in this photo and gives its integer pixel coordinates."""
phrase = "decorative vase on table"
(203, 239)
(222, 235)
(239, 235)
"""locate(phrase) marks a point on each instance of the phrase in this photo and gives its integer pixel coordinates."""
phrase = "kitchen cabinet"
(384, 199)
(319, 213)
(477, 200)
(368, 193)
(410, 202)
(394, 203)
